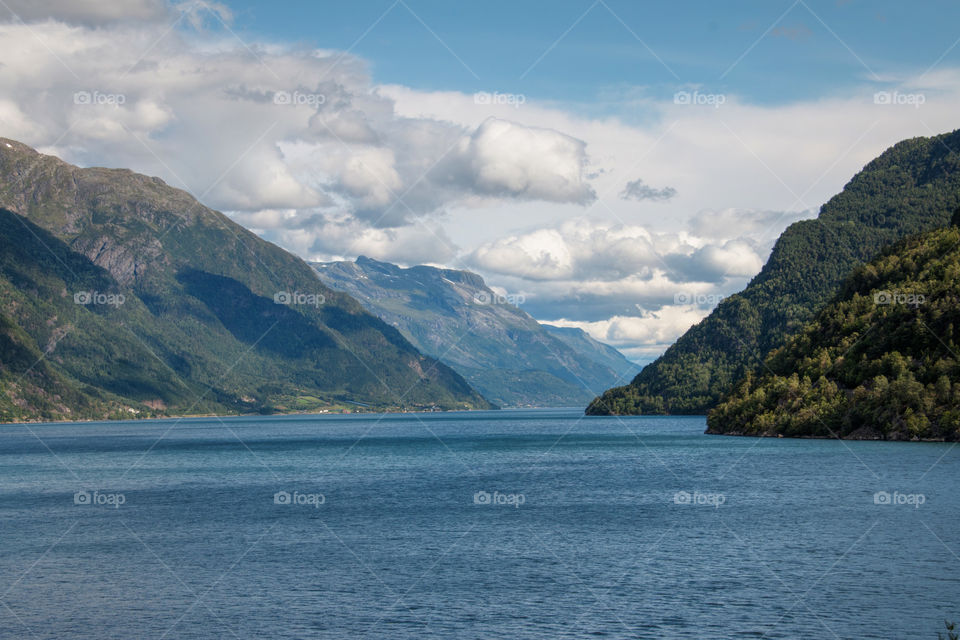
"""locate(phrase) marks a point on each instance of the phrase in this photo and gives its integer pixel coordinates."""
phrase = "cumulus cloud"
(527, 162)
(541, 255)
(637, 190)
(264, 127)
(585, 249)
(326, 237)
(644, 336)
(626, 285)
(408, 246)
(716, 263)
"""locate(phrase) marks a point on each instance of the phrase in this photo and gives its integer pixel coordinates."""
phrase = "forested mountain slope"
(879, 362)
(910, 188)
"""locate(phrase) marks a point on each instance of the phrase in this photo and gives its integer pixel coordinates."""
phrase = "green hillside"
(189, 313)
(879, 362)
(909, 189)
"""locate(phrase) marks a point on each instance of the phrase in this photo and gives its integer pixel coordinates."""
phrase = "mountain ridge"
(908, 189)
(213, 318)
(501, 350)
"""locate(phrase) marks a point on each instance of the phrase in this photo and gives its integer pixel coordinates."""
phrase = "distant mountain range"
(911, 188)
(879, 362)
(501, 350)
(121, 296)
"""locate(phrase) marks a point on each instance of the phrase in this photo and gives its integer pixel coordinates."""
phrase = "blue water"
(388, 534)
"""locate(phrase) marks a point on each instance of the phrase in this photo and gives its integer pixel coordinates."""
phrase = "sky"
(618, 166)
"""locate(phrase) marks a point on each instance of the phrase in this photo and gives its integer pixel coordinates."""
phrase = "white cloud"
(288, 128)
(717, 262)
(541, 255)
(733, 223)
(642, 337)
(589, 250)
(742, 157)
(734, 258)
(509, 159)
(370, 176)
(626, 285)
(316, 236)
(411, 245)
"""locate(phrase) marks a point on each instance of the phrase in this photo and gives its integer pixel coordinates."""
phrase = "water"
(780, 539)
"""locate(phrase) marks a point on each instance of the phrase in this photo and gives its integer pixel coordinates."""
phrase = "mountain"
(909, 189)
(500, 350)
(879, 362)
(581, 342)
(120, 296)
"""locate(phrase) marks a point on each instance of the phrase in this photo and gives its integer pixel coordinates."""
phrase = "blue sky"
(812, 49)
(595, 194)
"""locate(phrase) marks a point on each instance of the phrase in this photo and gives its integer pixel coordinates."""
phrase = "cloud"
(589, 271)
(586, 249)
(793, 156)
(326, 237)
(394, 169)
(637, 190)
(408, 246)
(508, 159)
(282, 128)
(642, 337)
(541, 255)
(733, 223)
(716, 263)
(627, 285)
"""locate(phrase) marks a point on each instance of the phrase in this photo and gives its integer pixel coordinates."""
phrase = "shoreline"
(185, 416)
(848, 438)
